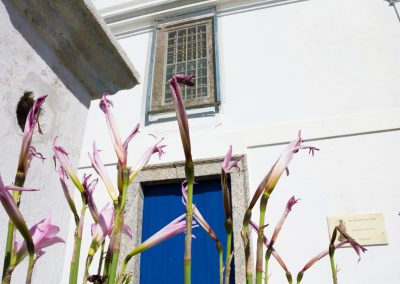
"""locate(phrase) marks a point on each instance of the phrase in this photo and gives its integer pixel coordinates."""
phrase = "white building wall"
(327, 67)
(64, 114)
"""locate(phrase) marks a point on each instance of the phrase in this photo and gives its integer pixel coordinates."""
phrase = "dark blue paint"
(163, 264)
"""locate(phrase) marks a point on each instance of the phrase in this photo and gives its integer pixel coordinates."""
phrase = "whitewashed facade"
(327, 67)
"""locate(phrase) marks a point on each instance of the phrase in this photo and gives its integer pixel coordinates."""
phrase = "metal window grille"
(187, 53)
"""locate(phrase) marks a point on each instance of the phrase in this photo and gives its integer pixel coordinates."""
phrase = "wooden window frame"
(157, 104)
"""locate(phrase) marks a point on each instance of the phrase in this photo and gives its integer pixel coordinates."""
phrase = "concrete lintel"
(82, 42)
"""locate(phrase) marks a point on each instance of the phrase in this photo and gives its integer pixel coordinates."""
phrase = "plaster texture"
(328, 67)
(81, 41)
(34, 58)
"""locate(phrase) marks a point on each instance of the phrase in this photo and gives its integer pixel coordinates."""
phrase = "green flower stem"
(221, 263)
(111, 262)
(332, 260)
(299, 277)
(246, 241)
(189, 171)
(228, 267)
(228, 223)
(73, 273)
(289, 277)
(101, 259)
(267, 257)
(30, 269)
(9, 252)
(7, 275)
(92, 251)
(228, 251)
(260, 239)
(134, 252)
(19, 181)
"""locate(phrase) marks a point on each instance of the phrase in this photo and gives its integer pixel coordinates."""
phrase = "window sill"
(201, 111)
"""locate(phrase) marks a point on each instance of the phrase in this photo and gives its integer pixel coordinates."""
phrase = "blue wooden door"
(163, 264)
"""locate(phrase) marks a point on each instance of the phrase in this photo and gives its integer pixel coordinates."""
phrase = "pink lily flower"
(67, 193)
(89, 188)
(34, 153)
(267, 244)
(102, 172)
(292, 201)
(14, 214)
(121, 149)
(62, 156)
(269, 182)
(322, 255)
(105, 224)
(356, 246)
(197, 215)
(18, 188)
(180, 110)
(174, 228)
(228, 163)
(348, 240)
(44, 234)
(31, 121)
(157, 148)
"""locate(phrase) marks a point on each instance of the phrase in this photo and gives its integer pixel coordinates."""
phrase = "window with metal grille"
(184, 48)
(187, 54)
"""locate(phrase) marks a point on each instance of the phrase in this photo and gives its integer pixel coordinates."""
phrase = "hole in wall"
(24, 105)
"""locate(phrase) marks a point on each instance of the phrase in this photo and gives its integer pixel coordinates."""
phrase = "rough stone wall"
(26, 64)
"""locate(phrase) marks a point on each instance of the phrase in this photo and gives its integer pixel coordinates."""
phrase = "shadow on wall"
(25, 27)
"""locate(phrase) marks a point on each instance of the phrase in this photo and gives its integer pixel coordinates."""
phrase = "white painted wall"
(327, 67)
(64, 114)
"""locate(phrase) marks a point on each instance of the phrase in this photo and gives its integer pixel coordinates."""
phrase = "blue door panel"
(163, 264)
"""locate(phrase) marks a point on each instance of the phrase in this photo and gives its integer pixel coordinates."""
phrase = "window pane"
(170, 57)
(181, 40)
(187, 53)
(191, 65)
(202, 63)
(171, 34)
(201, 29)
(202, 92)
(202, 72)
(191, 93)
(181, 32)
(202, 82)
(191, 73)
(191, 30)
(171, 42)
(180, 68)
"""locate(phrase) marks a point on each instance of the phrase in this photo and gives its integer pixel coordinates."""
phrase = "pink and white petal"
(127, 230)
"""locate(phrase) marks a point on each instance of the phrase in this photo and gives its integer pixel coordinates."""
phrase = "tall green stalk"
(332, 260)
(111, 262)
(101, 259)
(73, 273)
(221, 266)
(246, 241)
(189, 171)
(19, 181)
(228, 221)
(289, 277)
(267, 257)
(260, 240)
(29, 273)
(299, 277)
(228, 252)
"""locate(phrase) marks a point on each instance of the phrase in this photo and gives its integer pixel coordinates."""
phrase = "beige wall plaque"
(366, 228)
